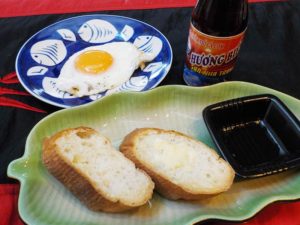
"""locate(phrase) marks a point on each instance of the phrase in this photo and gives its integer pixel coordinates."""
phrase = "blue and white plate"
(41, 58)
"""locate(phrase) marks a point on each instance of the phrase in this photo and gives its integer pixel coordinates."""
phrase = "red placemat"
(9, 204)
(12, 8)
(274, 214)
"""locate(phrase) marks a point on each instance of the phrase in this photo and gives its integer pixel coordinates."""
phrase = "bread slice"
(100, 176)
(181, 167)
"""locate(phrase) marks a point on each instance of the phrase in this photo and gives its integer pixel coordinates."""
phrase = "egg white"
(126, 59)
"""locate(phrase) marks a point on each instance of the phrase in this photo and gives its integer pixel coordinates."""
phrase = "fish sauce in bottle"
(216, 32)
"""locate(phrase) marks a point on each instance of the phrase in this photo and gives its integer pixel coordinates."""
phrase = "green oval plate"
(43, 200)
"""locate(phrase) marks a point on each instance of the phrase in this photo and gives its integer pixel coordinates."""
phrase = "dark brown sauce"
(257, 134)
(220, 18)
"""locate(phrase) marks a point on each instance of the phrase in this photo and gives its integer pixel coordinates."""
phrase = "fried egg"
(99, 68)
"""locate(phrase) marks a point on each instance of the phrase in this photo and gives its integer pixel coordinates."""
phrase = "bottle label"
(210, 56)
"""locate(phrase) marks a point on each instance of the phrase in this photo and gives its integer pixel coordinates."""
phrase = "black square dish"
(258, 135)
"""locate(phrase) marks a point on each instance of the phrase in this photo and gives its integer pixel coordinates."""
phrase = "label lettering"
(212, 56)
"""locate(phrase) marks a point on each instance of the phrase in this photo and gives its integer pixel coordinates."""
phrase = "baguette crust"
(79, 184)
(163, 185)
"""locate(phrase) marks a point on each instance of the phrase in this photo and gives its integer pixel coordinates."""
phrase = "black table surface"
(269, 57)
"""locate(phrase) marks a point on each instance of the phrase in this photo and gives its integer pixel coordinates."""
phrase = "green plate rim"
(251, 211)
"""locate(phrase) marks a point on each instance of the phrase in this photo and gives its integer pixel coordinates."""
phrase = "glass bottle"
(216, 32)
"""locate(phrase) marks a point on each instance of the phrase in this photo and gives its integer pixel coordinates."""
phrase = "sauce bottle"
(216, 32)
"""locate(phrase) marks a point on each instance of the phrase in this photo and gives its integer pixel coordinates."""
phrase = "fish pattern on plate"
(37, 71)
(49, 86)
(42, 56)
(97, 31)
(149, 44)
(133, 84)
(127, 32)
(96, 96)
(67, 34)
(48, 52)
(154, 69)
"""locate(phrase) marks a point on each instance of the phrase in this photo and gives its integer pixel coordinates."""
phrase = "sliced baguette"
(181, 167)
(100, 176)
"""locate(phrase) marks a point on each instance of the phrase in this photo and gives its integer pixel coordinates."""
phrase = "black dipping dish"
(258, 135)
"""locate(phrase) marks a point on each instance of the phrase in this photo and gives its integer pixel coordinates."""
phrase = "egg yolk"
(93, 61)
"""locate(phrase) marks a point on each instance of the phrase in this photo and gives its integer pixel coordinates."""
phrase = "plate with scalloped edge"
(43, 200)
